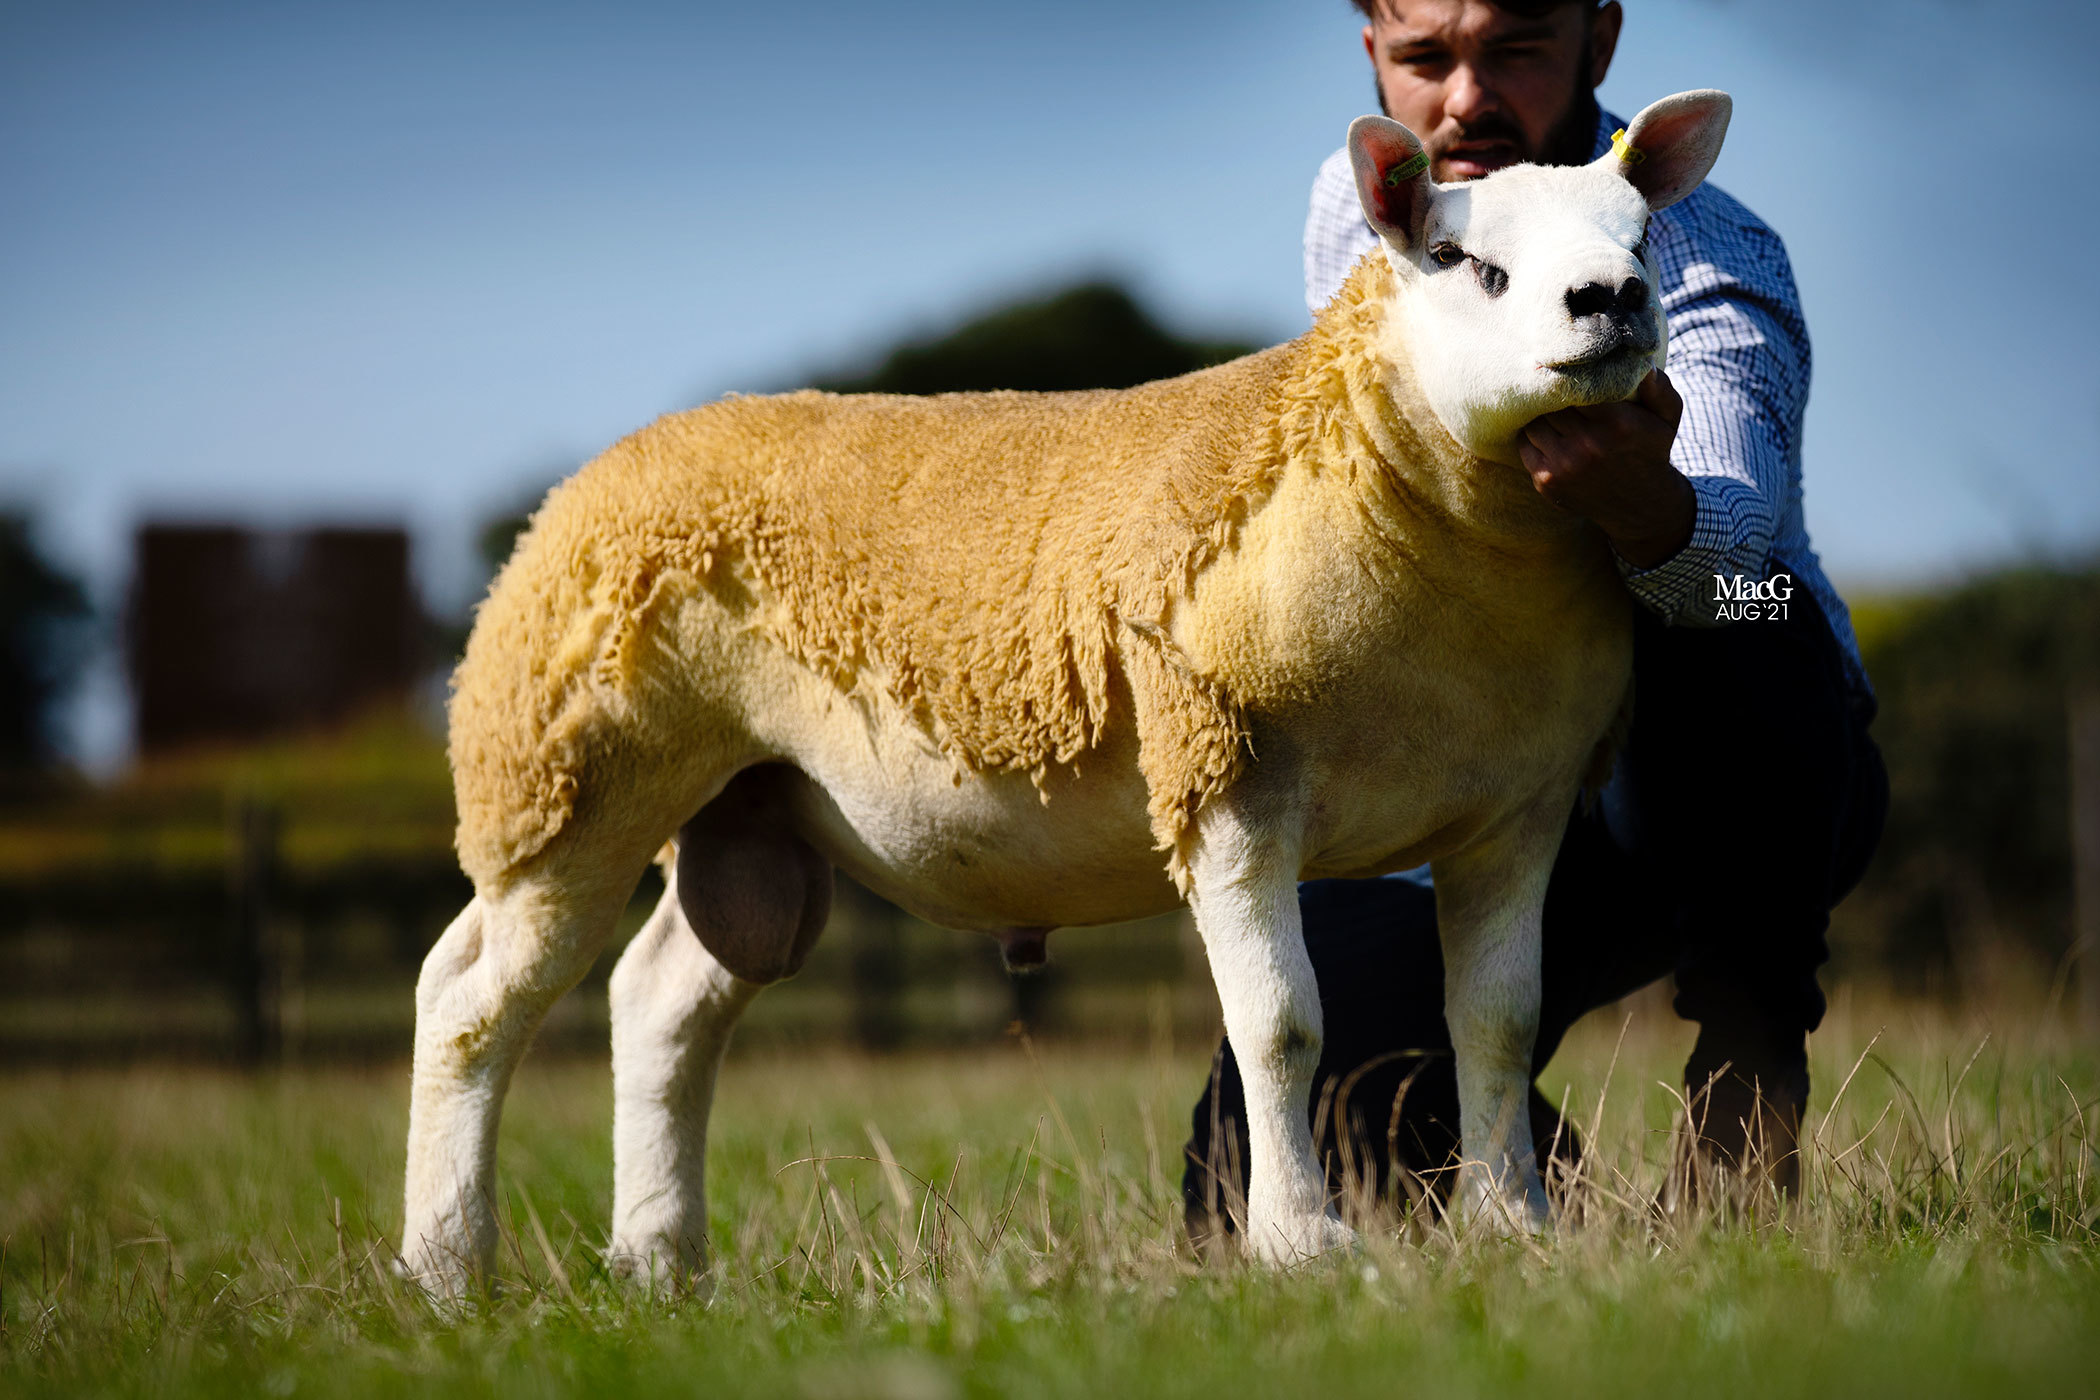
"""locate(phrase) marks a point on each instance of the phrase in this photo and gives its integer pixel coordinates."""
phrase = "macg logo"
(1740, 599)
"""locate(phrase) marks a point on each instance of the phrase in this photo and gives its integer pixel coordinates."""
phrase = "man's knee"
(1749, 768)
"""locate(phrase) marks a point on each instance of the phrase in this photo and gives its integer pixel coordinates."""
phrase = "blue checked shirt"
(1739, 358)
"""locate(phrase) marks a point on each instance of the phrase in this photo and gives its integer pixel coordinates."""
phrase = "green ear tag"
(1407, 169)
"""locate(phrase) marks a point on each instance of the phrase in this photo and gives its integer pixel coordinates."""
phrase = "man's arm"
(1610, 463)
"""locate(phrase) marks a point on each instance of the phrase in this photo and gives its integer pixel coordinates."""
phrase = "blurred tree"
(499, 534)
(43, 645)
(1091, 336)
(1974, 687)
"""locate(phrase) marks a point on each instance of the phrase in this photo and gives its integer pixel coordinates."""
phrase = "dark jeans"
(1745, 805)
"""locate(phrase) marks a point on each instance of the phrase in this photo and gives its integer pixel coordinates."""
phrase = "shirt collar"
(1606, 125)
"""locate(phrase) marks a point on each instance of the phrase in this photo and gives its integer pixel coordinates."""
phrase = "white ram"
(1024, 660)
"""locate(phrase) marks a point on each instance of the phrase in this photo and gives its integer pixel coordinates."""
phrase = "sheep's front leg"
(1245, 896)
(1490, 899)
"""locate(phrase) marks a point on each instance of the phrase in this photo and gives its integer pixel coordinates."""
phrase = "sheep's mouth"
(1624, 346)
(1609, 355)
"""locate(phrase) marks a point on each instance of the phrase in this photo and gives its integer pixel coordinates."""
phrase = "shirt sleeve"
(1335, 232)
(1739, 360)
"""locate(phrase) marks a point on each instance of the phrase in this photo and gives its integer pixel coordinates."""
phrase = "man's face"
(1484, 88)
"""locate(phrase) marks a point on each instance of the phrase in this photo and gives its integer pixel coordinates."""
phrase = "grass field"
(172, 1232)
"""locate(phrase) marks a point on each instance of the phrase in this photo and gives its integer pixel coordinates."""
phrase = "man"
(1748, 795)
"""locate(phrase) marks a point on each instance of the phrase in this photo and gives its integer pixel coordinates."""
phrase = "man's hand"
(1611, 464)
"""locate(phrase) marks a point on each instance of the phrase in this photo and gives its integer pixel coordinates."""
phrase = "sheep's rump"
(980, 559)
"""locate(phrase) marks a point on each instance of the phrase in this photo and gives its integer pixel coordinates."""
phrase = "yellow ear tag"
(1628, 152)
(1407, 170)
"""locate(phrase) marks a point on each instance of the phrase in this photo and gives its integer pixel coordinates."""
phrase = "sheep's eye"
(1447, 255)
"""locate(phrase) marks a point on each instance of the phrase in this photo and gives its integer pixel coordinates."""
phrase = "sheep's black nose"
(1596, 299)
(1592, 299)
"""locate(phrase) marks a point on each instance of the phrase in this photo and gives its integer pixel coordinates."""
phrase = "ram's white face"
(1532, 289)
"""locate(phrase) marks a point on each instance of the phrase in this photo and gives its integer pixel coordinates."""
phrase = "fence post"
(251, 971)
(2085, 854)
(1035, 997)
(877, 974)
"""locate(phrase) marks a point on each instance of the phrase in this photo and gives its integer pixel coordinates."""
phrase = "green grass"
(178, 1232)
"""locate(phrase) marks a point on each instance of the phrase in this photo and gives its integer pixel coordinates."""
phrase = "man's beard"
(1571, 140)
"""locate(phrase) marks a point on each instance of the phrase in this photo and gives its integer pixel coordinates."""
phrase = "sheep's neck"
(1372, 420)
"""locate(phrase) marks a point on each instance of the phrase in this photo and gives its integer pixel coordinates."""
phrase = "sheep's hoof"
(1281, 1244)
(444, 1283)
(661, 1269)
(1516, 1209)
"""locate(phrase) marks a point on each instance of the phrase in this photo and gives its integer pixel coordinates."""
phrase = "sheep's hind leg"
(484, 989)
(742, 908)
(1245, 897)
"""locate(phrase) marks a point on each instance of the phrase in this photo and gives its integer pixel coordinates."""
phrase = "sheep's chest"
(1464, 737)
(1413, 697)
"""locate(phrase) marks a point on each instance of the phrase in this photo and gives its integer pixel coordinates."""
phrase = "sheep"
(1017, 661)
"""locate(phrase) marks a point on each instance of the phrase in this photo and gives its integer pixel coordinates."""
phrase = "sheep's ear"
(1669, 148)
(1392, 178)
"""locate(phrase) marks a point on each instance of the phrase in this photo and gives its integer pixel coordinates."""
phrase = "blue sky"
(407, 261)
